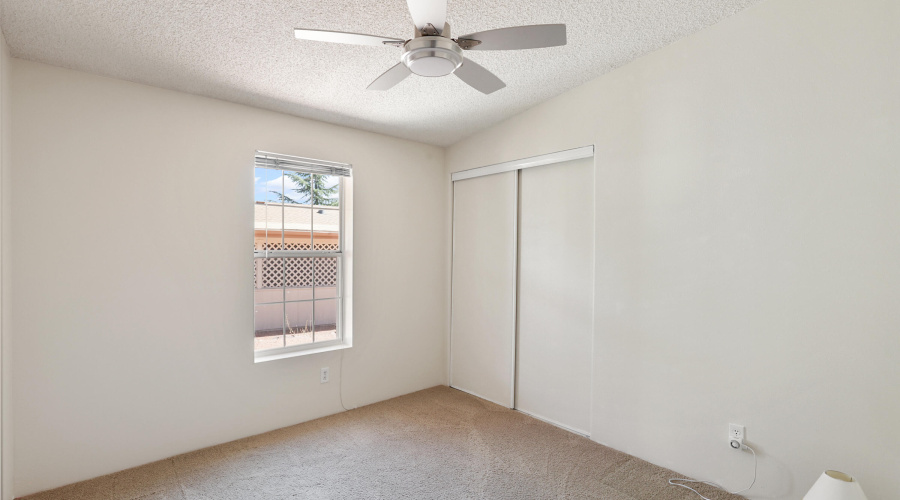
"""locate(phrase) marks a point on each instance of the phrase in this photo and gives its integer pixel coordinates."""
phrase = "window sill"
(262, 357)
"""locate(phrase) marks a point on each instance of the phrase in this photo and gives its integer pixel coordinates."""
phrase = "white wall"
(747, 267)
(6, 450)
(138, 346)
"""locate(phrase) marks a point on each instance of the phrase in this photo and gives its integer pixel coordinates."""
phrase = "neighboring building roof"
(296, 217)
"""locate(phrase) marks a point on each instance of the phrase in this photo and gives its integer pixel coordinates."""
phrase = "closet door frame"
(534, 161)
(514, 165)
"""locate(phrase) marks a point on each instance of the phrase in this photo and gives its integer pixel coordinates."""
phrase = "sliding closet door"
(482, 339)
(556, 242)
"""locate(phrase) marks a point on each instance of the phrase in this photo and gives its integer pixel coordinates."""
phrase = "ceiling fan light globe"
(432, 66)
(432, 56)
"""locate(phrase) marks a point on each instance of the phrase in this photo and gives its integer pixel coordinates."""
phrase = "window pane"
(267, 214)
(326, 214)
(297, 212)
(326, 227)
(326, 320)
(326, 190)
(268, 319)
(298, 278)
(267, 227)
(267, 281)
(298, 323)
(296, 188)
(272, 275)
(267, 185)
(326, 277)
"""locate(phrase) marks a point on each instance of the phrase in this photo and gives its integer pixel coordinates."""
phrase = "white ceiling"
(244, 51)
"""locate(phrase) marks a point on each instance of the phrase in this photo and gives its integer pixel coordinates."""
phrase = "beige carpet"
(434, 444)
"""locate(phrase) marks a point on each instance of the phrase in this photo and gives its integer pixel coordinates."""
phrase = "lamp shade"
(834, 485)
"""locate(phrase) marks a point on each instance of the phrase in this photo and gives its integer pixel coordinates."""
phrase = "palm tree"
(311, 188)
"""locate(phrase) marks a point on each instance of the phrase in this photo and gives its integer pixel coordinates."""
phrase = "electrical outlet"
(735, 433)
(324, 377)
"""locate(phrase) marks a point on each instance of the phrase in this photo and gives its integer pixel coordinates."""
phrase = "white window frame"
(344, 253)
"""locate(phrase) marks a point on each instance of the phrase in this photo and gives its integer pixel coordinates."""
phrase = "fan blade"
(520, 37)
(341, 37)
(479, 78)
(390, 77)
(432, 12)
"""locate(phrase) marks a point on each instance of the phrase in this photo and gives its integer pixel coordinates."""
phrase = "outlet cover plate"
(736, 431)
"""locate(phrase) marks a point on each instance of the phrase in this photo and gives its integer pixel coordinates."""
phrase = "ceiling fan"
(431, 52)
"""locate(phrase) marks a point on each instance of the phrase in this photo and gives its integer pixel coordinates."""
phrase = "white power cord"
(341, 382)
(716, 485)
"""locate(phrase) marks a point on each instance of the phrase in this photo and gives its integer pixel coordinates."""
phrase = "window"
(299, 248)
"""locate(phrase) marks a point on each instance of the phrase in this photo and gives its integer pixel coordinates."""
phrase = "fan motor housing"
(432, 56)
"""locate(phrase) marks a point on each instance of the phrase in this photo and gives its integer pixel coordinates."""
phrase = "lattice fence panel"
(297, 272)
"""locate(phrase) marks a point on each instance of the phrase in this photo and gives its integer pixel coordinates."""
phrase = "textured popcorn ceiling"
(244, 51)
